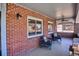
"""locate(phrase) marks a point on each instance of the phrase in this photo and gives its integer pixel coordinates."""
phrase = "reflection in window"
(31, 27)
(59, 28)
(65, 26)
(39, 27)
(50, 27)
(35, 27)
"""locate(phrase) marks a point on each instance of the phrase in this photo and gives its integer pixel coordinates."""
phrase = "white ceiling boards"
(51, 9)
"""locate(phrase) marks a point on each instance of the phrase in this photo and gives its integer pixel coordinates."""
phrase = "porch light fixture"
(18, 16)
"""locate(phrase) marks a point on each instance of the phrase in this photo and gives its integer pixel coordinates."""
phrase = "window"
(59, 25)
(31, 27)
(39, 27)
(34, 27)
(65, 26)
(50, 29)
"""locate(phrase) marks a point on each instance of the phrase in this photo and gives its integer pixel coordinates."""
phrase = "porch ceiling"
(53, 10)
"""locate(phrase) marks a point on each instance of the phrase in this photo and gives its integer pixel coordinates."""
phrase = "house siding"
(17, 41)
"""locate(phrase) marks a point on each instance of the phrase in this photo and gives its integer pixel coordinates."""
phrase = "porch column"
(3, 30)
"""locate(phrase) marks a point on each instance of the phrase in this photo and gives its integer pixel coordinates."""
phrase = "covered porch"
(22, 24)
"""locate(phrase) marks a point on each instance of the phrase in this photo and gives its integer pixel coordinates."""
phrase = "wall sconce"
(18, 16)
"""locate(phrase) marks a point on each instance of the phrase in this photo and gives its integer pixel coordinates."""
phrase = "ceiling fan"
(63, 18)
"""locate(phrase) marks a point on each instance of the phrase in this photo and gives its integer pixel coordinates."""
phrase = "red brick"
(17, 41)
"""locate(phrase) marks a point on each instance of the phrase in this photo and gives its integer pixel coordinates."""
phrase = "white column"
(3, 30)
(0, 6)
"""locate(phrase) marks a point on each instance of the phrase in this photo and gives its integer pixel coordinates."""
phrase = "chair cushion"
(45, 39)
(55, 34)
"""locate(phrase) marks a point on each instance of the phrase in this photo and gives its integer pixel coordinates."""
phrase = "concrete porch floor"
(58, 49)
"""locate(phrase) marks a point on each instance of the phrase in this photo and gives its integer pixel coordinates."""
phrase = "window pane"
(59, 28)
(68, 27)
(31, 27)
(59, 25)
(65, 26)
(49, 27)
(39, 27)
(34, 26)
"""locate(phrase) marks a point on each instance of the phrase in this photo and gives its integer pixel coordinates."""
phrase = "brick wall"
(17, 41)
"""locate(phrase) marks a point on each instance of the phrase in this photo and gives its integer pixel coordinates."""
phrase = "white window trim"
(50, 22)
(50, 32)
(34, 18)
(68, 31)
(65, 31)
(52, 28)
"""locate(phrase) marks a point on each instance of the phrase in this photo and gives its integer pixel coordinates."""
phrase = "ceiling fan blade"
(65, 18)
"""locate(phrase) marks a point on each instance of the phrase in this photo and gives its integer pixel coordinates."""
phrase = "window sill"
(50, 32)
(65, 32)
(35, 36)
